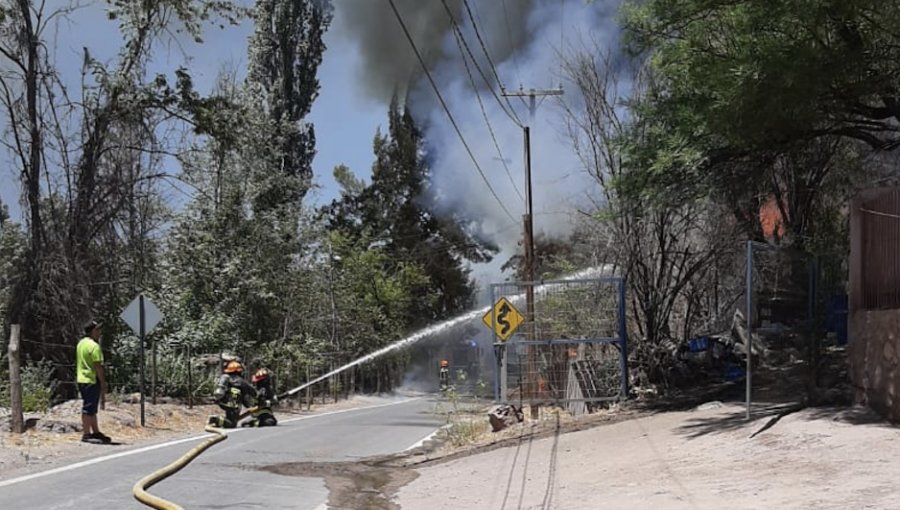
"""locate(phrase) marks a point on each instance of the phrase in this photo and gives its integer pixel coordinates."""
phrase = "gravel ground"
(824, 458)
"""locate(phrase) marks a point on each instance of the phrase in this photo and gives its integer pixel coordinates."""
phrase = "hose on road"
(140, 488)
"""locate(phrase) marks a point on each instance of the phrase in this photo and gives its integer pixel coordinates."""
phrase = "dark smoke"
(389, 63)
(527, 40)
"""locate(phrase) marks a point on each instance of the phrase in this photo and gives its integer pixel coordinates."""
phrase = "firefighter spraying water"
(445, 375)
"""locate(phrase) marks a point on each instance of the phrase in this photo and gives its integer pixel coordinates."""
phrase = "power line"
(487, 54)
(460, 42)
(440, 97)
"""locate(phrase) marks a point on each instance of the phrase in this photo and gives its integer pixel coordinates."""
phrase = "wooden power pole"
(528, 231)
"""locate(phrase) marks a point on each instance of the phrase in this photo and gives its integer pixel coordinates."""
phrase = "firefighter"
(262, 415)
(232, 391)
(445, 375)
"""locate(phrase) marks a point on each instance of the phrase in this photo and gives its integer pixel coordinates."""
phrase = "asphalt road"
(228, 475)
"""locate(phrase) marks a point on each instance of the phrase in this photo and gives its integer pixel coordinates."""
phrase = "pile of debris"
(504, 416)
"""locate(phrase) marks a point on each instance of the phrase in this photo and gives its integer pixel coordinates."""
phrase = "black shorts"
(90, 393)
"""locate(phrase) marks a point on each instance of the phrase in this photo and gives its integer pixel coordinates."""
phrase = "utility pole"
(528, 230)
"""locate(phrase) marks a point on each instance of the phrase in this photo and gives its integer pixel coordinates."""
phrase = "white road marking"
(97, 460)
(420, 442)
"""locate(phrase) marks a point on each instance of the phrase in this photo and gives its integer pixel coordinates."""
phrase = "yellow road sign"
(503, 318)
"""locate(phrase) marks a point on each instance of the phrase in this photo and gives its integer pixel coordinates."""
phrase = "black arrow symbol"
(502, 320)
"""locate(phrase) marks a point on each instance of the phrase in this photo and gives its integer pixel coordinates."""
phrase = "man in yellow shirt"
(91, 382)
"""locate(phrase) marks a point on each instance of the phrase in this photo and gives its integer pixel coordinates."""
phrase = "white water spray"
(443, 326)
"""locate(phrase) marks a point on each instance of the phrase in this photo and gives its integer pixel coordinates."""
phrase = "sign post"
(502, 319)
(142, 316)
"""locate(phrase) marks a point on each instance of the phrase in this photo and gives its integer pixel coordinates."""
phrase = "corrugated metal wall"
(879, 221)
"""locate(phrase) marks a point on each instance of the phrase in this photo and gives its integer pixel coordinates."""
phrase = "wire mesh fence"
(560, 341)
(796, 311)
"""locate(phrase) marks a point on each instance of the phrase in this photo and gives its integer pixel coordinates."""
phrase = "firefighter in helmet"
(445, 375)
(232, 391)
(262, 415)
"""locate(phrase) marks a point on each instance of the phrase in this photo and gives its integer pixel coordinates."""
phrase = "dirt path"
(810, 459)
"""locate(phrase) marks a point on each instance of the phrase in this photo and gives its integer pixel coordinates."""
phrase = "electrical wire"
(461, 43)
(440, 97)
(488, 55)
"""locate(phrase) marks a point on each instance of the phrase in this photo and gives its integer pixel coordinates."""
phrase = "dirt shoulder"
(710, 457)
(55, 438)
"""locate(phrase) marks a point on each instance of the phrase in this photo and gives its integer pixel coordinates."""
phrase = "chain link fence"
(570, 349)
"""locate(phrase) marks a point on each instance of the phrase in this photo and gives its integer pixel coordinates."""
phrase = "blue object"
(734, 373)
(836, 317)
(698, 344)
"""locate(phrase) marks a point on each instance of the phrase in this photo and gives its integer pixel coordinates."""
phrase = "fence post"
(623, 338)
(189, 378)
(17, 422)
(749, 303)
(308, 390)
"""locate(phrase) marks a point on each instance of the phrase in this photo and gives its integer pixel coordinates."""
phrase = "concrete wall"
(874, 352)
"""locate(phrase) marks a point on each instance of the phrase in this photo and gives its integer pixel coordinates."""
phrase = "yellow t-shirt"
(86, 354)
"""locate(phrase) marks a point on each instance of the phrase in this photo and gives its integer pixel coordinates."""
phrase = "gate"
(571, 350)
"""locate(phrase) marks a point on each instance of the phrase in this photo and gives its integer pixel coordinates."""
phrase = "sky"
(344, 117)
(368, 57)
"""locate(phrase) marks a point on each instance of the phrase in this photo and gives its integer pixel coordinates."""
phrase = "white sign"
(132, 315)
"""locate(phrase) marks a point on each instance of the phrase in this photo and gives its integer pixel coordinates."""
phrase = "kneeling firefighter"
(232, 391)
(263, 416)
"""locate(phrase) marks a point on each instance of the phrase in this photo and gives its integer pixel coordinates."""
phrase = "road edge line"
(97, 460)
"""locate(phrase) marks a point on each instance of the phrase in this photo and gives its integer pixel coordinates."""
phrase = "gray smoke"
(526, 40)
(389, 63)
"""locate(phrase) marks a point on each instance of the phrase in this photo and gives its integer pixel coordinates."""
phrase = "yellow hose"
(140, 488)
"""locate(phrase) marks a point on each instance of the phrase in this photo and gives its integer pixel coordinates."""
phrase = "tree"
(665, 248)
(759, 101)
(394, 212)
(284, 54)
(761, 74)
(244, 270)
(89, 159)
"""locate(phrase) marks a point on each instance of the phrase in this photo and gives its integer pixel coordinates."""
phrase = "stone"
(504, 416)
(889, 352)
(709, 406)
(58, 426)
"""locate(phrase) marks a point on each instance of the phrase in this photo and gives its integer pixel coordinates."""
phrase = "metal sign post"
(749, 318)
(142, 316)
(142, 328)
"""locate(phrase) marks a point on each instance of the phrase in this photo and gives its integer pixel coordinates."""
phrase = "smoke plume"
(526, 40)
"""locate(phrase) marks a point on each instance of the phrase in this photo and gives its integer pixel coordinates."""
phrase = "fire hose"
(140, 488)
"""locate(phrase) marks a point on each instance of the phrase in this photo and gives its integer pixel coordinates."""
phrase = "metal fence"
(795, 306)
(570, 350)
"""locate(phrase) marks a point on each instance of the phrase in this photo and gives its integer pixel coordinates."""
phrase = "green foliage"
(38, 387)
(761, 73)
(389, 214)
(750, 101)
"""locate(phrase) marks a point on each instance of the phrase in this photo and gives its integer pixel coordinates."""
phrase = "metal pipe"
(748, 319)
